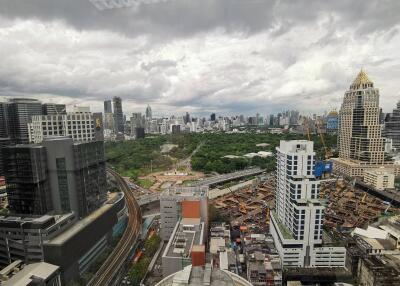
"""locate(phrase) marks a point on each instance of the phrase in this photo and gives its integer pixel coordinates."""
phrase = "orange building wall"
(190, 209)
(198, 258)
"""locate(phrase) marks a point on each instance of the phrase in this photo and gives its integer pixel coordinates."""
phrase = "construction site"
(248, 206)
(348, 207)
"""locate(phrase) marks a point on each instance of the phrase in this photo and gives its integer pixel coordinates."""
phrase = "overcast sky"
(200, 56)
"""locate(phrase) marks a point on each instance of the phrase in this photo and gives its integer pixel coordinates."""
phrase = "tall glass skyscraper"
(392, 128)
(118, 115)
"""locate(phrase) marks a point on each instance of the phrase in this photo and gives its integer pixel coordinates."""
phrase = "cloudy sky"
(201, 56)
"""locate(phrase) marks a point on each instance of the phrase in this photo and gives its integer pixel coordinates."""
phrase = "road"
(117, 258)
(187, 161)
(227, 177)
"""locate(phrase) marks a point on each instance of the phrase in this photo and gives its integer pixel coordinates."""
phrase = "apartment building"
(296, 222)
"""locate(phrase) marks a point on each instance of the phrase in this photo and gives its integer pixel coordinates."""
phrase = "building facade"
(107, 106)
(28, 188)
(79, 126)
(19, 113)
(4, 134)
(149, 113)
(58, 176)
(392, 128)
(118, 115)
(173, 206)
(53, 109)
(380, 179)
(22, 238)
(296, 222)
(359, 129)
(332, 122)
(360, 142)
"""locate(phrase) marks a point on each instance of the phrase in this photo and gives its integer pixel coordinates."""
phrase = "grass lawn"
(145, 183)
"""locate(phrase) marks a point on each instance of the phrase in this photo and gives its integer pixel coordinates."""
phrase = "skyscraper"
(28, 188)
(296, 222)
(107, 106)
(118, 115)
(4, 135)
(149, 113)
(212, 117)
(332, 122)
(19, 113)
(360, 142)
(136, 122)
(392, 127)
(56, 176)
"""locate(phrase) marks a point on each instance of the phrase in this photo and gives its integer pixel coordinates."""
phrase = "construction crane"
(328, 153)
(363, 198)
(307, 128)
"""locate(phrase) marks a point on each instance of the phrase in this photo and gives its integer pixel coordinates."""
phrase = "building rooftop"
(362, 78)
(78, 226)
(198, 191)
(31, 273)
(187, 233)
(197, 276)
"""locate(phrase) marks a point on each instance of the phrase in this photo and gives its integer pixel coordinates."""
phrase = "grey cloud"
(158, 64)
(273, 54)
(185, 17)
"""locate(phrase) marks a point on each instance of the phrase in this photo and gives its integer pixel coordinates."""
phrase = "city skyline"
(189, 61)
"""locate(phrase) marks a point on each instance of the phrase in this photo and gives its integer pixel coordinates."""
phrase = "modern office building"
(178, 202)
(107, 106)
(360, 143)
(28, 188)
(19, 113)
(296, 222)
(76, 175)
(212, 117)
(80, 126)
(392, 128)
(53, 109)
(4, 134)
(139, 133)
(57, 176)
(136, 121)
(149, 113)
(118, 115)
(3, 120)
(62, 240)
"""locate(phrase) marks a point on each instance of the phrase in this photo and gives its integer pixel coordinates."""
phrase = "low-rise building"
(187, 237)
(379, 270)
(35, 274)
(177, 202)
(194, 276)
(380, 179)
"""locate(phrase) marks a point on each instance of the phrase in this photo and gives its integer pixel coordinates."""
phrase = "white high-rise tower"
(296, 222)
